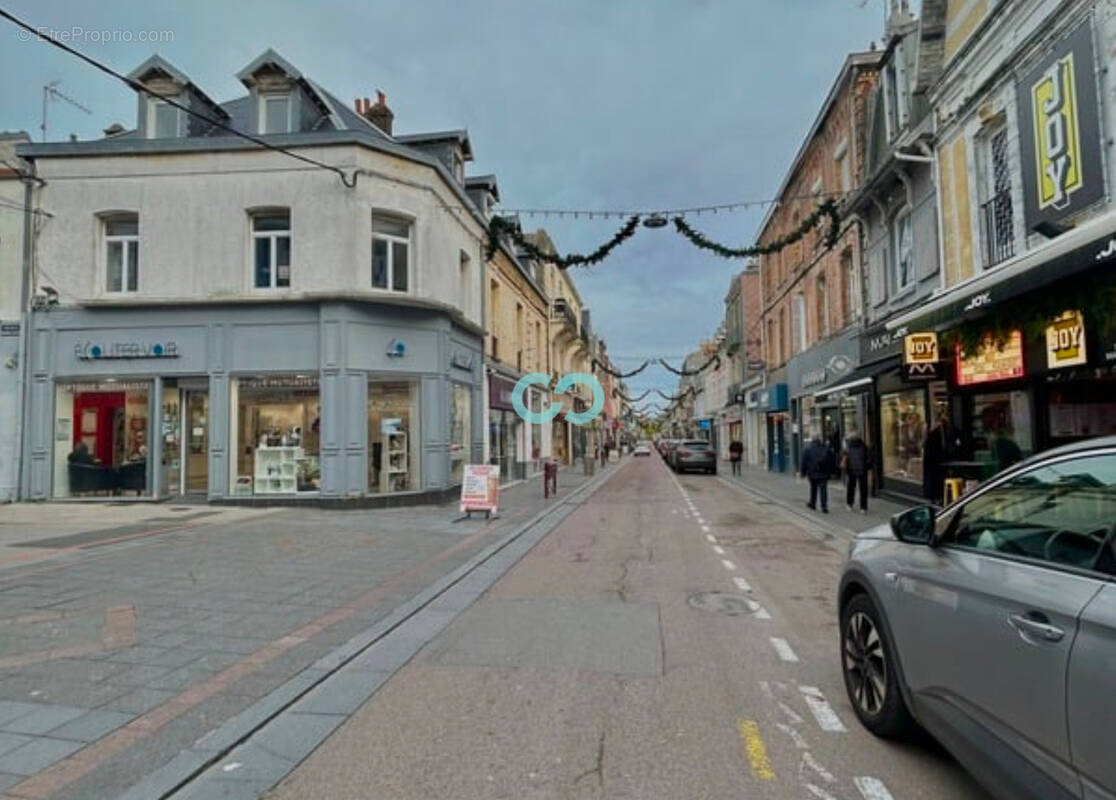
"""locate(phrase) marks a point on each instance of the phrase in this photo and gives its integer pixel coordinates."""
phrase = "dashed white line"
(759, 611)
(819, 793)
(793, 733)
(809, 760)
(711, 538)
(718, 550)
(790, 713)
(728, 564)
(872, 789)
(823, 712)
(705, 528)
(783, 649)
(742, 584)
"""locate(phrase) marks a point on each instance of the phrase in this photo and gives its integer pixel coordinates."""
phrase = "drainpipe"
(24, 473)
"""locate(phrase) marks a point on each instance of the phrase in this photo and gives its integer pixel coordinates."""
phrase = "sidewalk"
(792, 492)
(127, 648)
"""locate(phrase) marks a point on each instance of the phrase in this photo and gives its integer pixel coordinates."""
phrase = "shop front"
(772, 402)
(812, 413)
(505, 430)
(251, 403)
(1031, 365)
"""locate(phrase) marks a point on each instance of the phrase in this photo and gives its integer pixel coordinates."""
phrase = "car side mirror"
(915, 525)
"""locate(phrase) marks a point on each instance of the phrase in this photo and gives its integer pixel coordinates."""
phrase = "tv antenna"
(51, 92)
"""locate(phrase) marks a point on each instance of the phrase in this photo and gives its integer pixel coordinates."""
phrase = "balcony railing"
(998, 232)
(563, 312)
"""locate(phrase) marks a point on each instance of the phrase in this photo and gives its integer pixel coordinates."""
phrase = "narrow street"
(673, 637)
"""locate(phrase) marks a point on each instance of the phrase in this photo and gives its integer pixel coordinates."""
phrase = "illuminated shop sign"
(1065, 341)
(991, 363)
(101, 351)
(921, 359)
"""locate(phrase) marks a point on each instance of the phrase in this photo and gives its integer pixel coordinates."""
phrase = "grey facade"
(345, 344)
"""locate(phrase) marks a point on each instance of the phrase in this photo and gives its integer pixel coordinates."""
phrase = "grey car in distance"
(992, 624)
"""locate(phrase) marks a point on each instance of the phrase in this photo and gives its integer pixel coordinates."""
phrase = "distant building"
(15, 218)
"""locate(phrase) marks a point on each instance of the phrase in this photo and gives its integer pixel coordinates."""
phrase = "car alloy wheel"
(865, 663)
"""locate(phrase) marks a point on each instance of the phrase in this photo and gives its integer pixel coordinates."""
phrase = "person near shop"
(935, 452)
(819, 463)
(736, 454)
(80, 454)
(856, 460)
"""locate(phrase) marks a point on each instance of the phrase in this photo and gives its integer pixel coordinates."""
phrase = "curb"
(266, 741)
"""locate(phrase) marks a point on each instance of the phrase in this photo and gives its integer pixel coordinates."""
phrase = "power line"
(139, 87)
(592, 213)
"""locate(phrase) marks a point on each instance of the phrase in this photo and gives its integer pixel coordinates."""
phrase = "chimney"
(115, 129)
(379, 115)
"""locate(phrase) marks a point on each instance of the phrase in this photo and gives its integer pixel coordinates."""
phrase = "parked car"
(642, 449)
(668, 451)
(992, 624)
(692, 454)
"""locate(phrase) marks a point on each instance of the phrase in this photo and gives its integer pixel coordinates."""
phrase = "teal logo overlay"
(564, 383)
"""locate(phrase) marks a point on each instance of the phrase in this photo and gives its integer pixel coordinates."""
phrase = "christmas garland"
(499, 226)
(678, 398)
(600, 365)
(826, 210)
(629, 400)
(716, 358)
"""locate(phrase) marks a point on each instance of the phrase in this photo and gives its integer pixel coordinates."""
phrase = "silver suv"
(992, 624)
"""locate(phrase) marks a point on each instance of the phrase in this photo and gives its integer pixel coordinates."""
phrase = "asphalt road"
(674, 637)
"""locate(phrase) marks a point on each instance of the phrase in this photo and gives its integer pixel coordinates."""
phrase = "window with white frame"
(271, 250)
(121, 234)
(391, 244)
(275, 113)
(904, 251)
(798, 314)
(162, 119)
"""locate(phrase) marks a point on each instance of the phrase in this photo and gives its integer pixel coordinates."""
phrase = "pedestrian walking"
(856, 461)
(736, 453)
(819, 463)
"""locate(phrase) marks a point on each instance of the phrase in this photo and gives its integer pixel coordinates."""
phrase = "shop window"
(1001, 429)
(1081, 410)
(393, 436)
(121, 236)
(461, 430)
(391, 241)
(101, 438)
(271, 250)
(902, 434)
(275, 433)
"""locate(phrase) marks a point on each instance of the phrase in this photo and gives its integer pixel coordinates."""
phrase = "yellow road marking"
(755, 748)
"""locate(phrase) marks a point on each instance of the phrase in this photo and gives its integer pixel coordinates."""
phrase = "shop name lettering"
(979, 301)
(885, 340)
(814, 377)
(92, 351)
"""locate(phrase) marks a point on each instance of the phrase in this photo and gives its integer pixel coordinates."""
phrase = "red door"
(94, 413)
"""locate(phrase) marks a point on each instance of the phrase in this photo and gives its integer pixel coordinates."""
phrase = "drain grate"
(730, 605)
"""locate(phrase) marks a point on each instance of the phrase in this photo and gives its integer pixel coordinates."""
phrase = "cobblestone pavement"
(122, 649)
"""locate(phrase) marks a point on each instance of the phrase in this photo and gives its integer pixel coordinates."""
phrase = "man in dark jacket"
(736, 453)
(818, 465)
(857, 460)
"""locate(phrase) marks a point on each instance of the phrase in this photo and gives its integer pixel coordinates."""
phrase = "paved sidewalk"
(120, 652)
(792, 492)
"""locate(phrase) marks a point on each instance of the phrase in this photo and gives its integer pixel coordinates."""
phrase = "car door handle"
(1036, 625)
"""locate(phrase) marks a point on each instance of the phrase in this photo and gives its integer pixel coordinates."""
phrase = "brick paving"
(122, 654)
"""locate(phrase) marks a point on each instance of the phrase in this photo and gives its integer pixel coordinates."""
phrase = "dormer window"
(162, 119)
(275, 113)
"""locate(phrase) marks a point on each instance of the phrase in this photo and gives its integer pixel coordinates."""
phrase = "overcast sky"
(580, 104)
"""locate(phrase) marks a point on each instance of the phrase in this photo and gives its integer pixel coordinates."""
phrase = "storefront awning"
(1089, 245)
(859, 379)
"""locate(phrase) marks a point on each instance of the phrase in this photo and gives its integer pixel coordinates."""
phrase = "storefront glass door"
(196, 442)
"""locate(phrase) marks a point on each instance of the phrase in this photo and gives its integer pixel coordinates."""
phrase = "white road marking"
(872, 789)
(783, 649)
(718, 550)
(728, 564)
(811, 762)
(823, 712)
(230, 767)
(759, 611)
(711, 538)
(705, 528)
(792, 715)
(765, 687)
(819, 793)
(742, 584)
(799, 742)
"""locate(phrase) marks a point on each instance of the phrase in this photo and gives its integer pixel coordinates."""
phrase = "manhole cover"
(732, 605)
